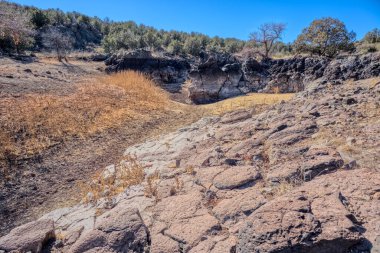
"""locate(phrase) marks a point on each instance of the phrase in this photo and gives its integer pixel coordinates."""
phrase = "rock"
(235, 116)
(320, 216)
(320, 160)
(179, 207)
(235, 177)
(32, 237)
(120, 230)
(191, 231)
(238, 205)
(164, 244)
(246, 182)
(99, 57)
(225, 246)
(205, 176)
(73, 220)
(216, 76)
(216, 244)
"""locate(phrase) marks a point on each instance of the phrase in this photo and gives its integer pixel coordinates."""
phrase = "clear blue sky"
(226, 18)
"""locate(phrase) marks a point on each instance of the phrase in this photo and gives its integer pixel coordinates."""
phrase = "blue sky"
(226, 18)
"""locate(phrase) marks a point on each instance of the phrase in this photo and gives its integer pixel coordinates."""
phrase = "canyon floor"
(256, 173)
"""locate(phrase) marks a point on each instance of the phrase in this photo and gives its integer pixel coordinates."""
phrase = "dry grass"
(152, 185)
(364, 47)
(128, 172)
(33, 123)
(244, 102)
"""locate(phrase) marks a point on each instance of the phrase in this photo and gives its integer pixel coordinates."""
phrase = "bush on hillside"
(325, 37)
(130, 36)
(372, 36)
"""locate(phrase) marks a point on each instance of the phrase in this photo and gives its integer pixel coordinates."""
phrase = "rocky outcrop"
(169, 72)
(213, 76)
(321, 216)
(300, 177)
(217, 76)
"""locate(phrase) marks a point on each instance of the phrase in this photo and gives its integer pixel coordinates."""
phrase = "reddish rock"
(120, 230)
(320, 216)
(236, 176)
(29, 237)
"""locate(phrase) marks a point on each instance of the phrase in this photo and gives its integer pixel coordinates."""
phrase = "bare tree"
(267, 35)
(56, 40)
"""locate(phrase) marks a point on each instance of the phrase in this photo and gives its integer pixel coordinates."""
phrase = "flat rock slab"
(235, 177)
(192, 231)
(238, 205)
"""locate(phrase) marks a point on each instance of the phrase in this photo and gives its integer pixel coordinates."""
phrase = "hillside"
(63, 122)
(118, 137)
(231, 167)
(292, 173)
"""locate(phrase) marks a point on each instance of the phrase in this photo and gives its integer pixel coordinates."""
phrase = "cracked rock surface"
(303, 176)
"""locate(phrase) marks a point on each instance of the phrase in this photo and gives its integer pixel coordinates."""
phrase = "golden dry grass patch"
(248, 101)
(31, 123)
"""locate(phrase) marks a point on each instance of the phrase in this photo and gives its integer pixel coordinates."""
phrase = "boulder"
(32, 237)
(119, 230)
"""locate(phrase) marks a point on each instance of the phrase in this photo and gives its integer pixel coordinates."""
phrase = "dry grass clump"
(152, 185)
(363, 48)
(128, 172)
(251, 100)
(32, 123)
